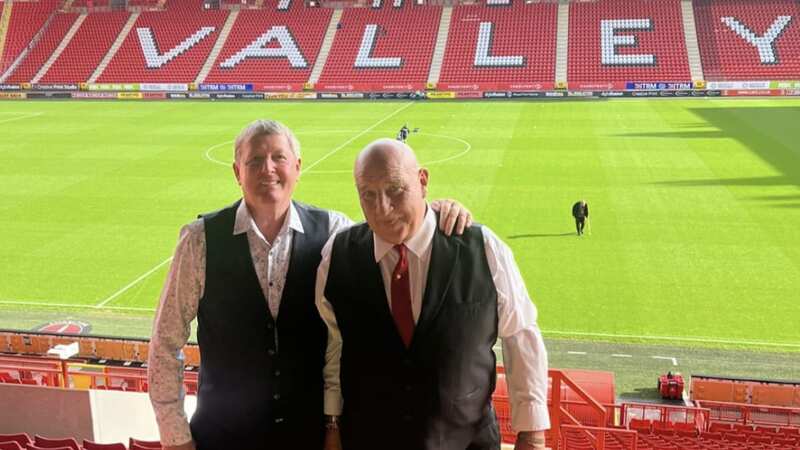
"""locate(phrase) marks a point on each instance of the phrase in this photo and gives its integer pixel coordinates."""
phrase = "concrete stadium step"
(325, 50)
(690, 33)
(115, 47)
(223, 37)
(5, 19)
(441, 44)
(562, 43)
(60, 49)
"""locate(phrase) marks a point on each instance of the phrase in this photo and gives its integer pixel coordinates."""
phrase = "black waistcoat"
(261, 381)
(435, 395)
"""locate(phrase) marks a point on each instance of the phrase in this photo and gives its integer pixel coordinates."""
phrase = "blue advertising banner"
(225, 87)
(658, 86)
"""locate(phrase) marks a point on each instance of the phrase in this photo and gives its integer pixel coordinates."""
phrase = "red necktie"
(401, 297)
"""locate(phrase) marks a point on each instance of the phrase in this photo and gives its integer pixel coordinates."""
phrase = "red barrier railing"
(666, 414)
(560, 415)
(66, 373)
(749, 414)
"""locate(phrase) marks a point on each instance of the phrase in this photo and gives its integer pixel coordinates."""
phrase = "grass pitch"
(695, 204)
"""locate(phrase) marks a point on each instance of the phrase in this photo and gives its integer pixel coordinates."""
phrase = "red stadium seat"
(87, 48)
(523, 33)
(53, 443)
(44, 48)
(658, 52)
(404, 39)
(27, 18)
(182, 39)
(641, 425)
(727, 55)
(306, 29)
(36, 447)
(20, 438)
(89, 445)
(11, 445)
(143, 444)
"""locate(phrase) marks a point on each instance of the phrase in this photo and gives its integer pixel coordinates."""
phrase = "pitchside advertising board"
(658, 86)
(135, 87)
(225, 87)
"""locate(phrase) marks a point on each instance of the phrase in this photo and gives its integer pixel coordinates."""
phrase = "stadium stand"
(43, 49)
(749, 40)
(620, 40)
(27, 19)
(384, 47)
(517, 44)
(269, 46)
(166, 47)
(490, 45)
(87, 48)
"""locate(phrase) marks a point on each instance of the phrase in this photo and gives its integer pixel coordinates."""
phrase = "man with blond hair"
(246, 272)
(413, 316)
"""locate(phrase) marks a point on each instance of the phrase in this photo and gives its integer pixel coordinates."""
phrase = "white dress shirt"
(182, 293)
(524, 355)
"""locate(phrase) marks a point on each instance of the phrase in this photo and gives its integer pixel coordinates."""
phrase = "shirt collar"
(244, 221)
(417, 244)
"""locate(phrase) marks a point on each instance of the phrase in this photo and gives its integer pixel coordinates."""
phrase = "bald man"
(412, 317)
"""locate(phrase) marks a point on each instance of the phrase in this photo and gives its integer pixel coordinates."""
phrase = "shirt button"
(278, 419)
(271, 352)
(269, 326)
(270, 283)
(277, 396)
(277, 373)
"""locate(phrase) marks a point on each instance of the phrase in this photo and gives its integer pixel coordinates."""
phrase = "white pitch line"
(467, 148)
(24, 116)
(672, 338)
(620, 355)
(577, 353)
(330, 153)
(132, 283)
(70, 305)
(668, 358)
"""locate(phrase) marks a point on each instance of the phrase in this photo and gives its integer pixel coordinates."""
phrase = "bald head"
(392, 188)
(385, 155)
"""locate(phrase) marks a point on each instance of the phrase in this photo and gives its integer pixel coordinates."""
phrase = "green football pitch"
(695, 204)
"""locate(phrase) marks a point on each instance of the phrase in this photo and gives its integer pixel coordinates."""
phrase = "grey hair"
(261, 128)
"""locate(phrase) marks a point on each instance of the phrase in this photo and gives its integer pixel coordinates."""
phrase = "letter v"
(155, 59)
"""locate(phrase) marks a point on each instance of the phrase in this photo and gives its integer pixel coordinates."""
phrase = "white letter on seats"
(288, 49)
(482, 57)
(765, 43)
(154, 59)
(364, 58)
(609, 41)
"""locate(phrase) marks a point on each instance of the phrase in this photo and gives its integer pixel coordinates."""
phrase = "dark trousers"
(579, 223)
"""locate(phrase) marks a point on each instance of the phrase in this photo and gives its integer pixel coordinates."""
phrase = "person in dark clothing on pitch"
(580, 211)
(402, 135)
